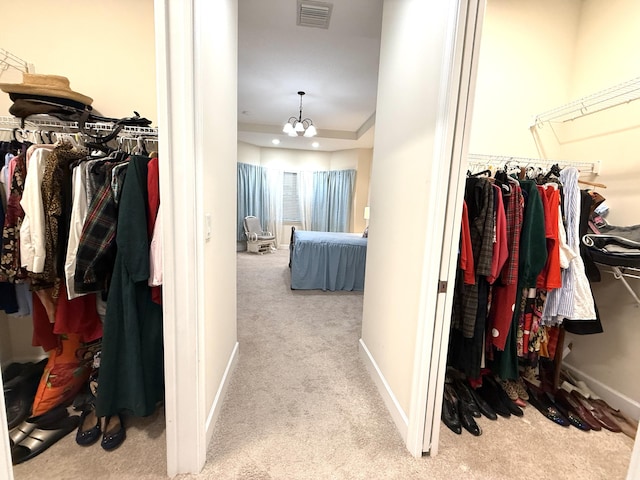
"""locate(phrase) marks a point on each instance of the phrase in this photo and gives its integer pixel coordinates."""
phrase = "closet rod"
(584, 167)
(53, 123)
(9, 60)
(611, 97)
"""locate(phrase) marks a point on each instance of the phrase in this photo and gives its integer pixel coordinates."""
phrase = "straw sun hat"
(47, 86)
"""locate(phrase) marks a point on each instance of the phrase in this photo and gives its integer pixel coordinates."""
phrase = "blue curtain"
(253, 194)
(332, 196)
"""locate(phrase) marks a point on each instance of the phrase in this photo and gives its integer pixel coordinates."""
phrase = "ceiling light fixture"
(296, 126)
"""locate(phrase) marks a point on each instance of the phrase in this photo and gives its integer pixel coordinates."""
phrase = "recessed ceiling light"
(315, 144)
(275, 141)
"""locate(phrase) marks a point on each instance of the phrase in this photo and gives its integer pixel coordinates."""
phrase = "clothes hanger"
(593, 184)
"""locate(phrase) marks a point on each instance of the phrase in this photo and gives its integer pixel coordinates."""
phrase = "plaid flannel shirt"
(97, 247)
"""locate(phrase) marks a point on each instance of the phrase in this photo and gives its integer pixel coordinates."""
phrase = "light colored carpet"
(301, 405)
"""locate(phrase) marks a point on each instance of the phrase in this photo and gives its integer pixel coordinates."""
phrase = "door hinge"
(442, 286)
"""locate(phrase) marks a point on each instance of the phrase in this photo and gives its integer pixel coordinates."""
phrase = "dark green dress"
(131, 375)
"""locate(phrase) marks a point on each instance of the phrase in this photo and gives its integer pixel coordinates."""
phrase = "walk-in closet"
(555, 106)
(78, 131)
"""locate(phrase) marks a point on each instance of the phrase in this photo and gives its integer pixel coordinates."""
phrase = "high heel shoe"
(114, 432)
(464, 396)
(89, 429)
(450, 411)
(465, 416)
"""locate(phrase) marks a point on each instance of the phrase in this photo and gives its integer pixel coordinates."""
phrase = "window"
(290, 200)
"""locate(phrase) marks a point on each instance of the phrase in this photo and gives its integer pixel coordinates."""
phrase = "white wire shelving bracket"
(9, 60)
(42, 123)
(611, 97)
(501, 160)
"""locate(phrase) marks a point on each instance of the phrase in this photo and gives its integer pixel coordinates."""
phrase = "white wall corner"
(398, 415)
(612, 396)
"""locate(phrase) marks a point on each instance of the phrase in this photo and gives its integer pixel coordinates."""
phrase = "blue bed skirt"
(327, 260)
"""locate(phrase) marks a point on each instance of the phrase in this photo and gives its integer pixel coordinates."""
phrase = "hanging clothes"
(153, 189)
(532, 258)
(470, 307)
(97, 246)
(574, 299)
(10, 263)
(504, 293)
(131, 370)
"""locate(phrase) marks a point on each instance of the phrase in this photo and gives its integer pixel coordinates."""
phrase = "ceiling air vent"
(314, 14)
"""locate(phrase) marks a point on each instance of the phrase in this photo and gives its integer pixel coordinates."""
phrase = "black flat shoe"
(539, 400)
(114, 432)
(450, 411)
(484, 407)
(89, 429)
(491, 395)
(569, 413)
(504, 397)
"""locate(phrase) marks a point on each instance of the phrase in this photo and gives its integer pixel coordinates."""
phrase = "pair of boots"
(459, 408)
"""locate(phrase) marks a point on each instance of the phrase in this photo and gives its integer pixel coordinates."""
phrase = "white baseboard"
(611, 396)
(397, 413)
(212, 417)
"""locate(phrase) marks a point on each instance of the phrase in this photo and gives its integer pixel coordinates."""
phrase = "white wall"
(218, 52)
(248, 153)
(294, 160)
(525, 64)
(540, 54)
(413, 45)
(105, 49)
(607, 46)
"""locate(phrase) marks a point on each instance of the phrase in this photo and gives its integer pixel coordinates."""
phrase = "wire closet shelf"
(9, 60)
(608, 98)
(48, 123)
(501, 161)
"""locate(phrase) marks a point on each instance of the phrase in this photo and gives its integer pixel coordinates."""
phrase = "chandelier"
(296, 126)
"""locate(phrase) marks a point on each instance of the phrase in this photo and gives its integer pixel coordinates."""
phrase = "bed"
(327, 260)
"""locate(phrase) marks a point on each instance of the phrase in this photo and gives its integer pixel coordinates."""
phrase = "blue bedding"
(327, 261)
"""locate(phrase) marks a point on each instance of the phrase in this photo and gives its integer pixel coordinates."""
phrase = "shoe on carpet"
(569, 402)
(509, 386)
(450, 410)
(598, 412)
(491, 396)
(521, 389)
(541, 402)
(504, 398)
(41, 438)
(464, 395)
(484, 407)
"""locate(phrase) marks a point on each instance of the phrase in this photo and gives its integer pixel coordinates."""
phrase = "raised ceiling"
(337, 67)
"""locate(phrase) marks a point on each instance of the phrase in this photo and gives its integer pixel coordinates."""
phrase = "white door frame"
(183, 323)
(456, 111)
